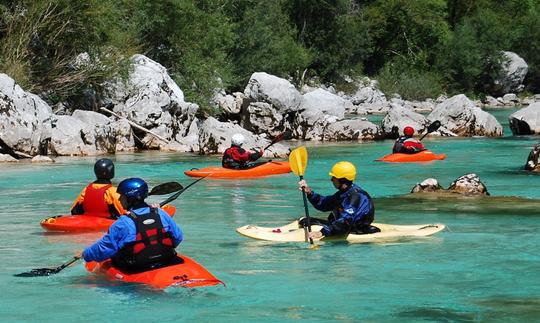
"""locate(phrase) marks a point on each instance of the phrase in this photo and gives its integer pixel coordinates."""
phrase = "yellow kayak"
(293, 233)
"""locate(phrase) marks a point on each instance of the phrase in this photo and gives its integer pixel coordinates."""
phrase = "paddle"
(432, 127)
(47, 271)
(278, 138)
(166, 188)
(298, 161)
(175, 196)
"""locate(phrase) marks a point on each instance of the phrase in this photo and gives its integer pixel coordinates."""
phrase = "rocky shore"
(149, 111)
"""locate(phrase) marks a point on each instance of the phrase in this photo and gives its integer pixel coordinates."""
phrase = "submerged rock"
(428, 185)
(533, 159)
(469, 184)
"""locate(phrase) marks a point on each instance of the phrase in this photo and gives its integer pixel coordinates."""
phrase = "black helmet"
(104, 169)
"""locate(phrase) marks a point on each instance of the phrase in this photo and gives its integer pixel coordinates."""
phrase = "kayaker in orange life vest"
(99, 198)
(406, 144)
(236, 157)
(142, 239)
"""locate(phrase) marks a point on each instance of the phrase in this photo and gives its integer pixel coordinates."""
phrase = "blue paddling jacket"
(124, 231)
(352, 210)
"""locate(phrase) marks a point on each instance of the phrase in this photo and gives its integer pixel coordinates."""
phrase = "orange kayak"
(185, 272)
(425, 155)
(85, 223)
(266, 169)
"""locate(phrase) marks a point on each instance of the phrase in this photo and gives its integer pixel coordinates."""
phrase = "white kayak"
(293, 233)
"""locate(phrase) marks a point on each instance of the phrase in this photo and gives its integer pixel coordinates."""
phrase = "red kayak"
(266, 169)
(185, 272)
(423, 156)
(85, 223)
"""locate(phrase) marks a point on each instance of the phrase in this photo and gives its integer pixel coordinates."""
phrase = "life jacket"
(411, 147)
(153, 246)
(94, 201)
(398, 145)
(229, 161)
(354, 196)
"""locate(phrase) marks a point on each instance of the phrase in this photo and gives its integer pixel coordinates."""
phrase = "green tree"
(266, 42)
(335, 32)
(192, 39)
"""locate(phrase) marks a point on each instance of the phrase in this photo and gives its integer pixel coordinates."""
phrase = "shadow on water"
(511, 308)
(480, 205)
(135, 291)
(437, 314)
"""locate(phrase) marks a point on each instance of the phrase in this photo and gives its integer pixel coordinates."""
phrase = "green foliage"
(471, 58)
(336, 32)
(266, 43)
(526, 42)
(407, 29)
(41, 39)
(191, 38)
(416, 48)
(398, 76)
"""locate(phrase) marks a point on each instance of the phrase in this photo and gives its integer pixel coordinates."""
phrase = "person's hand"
(262, 152)
(155, 205)
(303, 186)
(316, 235)
(78, 254)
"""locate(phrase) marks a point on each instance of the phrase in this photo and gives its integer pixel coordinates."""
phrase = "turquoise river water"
(485, 267)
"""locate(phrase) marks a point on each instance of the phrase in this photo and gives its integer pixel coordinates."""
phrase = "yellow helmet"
(343, 169)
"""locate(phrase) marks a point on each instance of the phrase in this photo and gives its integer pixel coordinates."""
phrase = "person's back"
(236, 157)
(406, 144)
(99, 198)
(144, 238)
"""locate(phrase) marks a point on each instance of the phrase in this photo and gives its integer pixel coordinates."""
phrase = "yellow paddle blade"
(298, 160)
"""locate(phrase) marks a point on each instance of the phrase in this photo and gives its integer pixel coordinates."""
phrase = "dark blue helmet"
(104, 169)
(133, 188)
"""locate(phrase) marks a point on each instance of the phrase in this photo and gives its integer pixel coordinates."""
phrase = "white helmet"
(238, 139)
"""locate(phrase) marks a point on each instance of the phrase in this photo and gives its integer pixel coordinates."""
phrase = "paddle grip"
(306, 211)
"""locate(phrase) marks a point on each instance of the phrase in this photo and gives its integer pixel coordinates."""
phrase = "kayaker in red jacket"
(236, 157)
(143, 239)
(406, 144)
(99, 198)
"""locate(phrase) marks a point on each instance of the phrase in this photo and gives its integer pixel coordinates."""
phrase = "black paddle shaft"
(47, 271)
(306, 211)
(175, 196)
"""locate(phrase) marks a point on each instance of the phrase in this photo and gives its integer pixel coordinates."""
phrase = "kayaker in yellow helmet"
(99, 198)
(407, 144)
(236, 157)
(352, 210)
(143, 239)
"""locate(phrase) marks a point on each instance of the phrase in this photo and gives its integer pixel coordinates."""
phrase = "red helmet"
(408, 131)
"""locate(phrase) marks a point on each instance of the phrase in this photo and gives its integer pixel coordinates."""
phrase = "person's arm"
(253, 156)
(112, 198)
(321, 203)
(109, 244)
(76, 207)
(354, 207)
(413, 145)
(171, 226)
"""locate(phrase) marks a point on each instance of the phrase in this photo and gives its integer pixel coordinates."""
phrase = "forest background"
(419, 49)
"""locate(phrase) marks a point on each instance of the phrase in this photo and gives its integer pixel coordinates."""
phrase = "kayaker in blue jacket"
(352, 208)
(142, 239)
